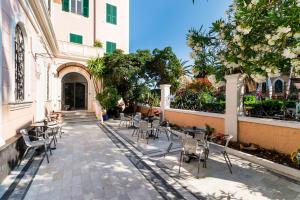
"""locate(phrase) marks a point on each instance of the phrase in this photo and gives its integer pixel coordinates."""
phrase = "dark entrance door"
(79, 96)
(74, 96)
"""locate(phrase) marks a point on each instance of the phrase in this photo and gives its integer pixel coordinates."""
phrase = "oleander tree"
(258, 38)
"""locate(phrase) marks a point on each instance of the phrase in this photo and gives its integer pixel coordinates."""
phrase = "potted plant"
(108, 100)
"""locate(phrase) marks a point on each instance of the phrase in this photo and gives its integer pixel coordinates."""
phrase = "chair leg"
(45, 145)
(134, 130)
(23, 156)
(228, 158)
(180, 160)
(49, 147)
(199, 161)
(60, 132)
(227, 162)
(167, 135)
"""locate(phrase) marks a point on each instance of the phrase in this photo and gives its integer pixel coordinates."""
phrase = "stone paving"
(105, 162)
(248, 181)
(87, 165)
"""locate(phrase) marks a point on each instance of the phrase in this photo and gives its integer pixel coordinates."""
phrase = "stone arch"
(81, 69)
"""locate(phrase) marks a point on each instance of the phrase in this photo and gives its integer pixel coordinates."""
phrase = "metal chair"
(202, 139)
(157, 128)
(40, 142)
(125, 120)
(190, 147)
(58, 122)
(52, 130)
(136, 124)
(224, 152)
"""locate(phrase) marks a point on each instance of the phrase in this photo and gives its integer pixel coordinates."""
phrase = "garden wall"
(195, 118)
(144, 109)
(282, 136)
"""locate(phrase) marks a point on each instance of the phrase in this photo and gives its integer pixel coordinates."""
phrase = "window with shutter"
(110, 47)
(86, 8)
(75, 38)
(65, 5)
(111, 14)
(80, 7)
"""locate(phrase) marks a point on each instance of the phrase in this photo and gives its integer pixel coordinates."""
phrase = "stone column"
(234, 105)
(165, 98)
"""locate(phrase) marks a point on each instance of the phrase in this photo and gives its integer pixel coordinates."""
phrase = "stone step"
(94, 119)
(66, 114)
(70, 117)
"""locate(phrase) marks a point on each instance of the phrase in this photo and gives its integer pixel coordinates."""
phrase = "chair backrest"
(190, 145)
(25, 136)
(144, 125)
(155, 123)
(227, 138)
(136, 121)
(122, 116)
(139, 114)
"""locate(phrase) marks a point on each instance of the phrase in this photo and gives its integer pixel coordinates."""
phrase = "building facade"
(45, 48)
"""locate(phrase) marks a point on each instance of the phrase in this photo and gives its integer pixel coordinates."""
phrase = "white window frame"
(76, 8)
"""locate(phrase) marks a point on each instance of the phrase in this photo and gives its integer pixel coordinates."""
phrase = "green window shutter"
(66, 5)
(86, 8)
(110, 47)
(111, 14)
(114, 15)
(75, 38)
(108, 11)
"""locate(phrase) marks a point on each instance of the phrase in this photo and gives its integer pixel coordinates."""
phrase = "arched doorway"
(74, 92)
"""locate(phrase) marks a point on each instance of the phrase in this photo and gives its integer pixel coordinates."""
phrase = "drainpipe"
(94, 21)
(2, 142)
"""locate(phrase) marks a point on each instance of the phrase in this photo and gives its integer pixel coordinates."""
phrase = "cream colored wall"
(65, 23)
(113, 33)
(16, 115)
(283, 139)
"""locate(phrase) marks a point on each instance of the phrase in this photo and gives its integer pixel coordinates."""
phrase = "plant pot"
(105, 117)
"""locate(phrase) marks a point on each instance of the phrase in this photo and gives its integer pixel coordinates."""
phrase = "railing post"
(165, 98)
(234, 104)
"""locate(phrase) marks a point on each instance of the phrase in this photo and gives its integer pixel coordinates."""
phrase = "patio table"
(150, 120)
(195, 130)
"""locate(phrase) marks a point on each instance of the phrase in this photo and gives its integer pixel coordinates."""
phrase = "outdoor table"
(150, 120)
(38, 127)
(194, 131)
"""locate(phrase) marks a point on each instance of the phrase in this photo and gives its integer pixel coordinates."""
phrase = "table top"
(195, 130)
(37, 124)
(42, 124)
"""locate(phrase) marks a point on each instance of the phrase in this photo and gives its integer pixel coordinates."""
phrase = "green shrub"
(108, 98)
(98, 43)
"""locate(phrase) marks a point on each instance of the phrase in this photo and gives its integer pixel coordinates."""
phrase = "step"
(78, 117)
(78, 113)
(80, 121)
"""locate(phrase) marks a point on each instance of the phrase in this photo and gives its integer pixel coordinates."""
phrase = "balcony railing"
(84, 51)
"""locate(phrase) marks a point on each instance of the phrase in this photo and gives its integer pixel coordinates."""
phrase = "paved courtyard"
(105, 162)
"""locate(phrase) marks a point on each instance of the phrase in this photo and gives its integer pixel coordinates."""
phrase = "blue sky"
(161, 23)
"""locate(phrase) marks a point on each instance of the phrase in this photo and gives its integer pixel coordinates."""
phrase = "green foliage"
(200, 100)
(258, 38)
(96, 67)
(108, 98)
(209, 130)
(164, 68)
(267, 107)
(98, 43)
